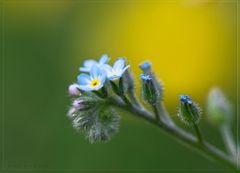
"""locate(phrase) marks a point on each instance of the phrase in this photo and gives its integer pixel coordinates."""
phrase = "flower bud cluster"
(90, 115)
(99, 84)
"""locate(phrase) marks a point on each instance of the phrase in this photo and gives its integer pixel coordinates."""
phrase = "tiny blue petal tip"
(185, 99)
(145, 77)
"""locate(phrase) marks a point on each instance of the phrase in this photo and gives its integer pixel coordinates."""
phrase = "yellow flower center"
(94, 83)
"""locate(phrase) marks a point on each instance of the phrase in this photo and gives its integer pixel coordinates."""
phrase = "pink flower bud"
(77, 104)
(73, 90)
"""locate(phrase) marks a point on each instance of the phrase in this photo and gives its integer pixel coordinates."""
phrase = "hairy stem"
(164, 116)
(155, 109)
(133, 98)
(179, 134)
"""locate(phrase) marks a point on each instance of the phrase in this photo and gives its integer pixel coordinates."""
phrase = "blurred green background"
(191, 43)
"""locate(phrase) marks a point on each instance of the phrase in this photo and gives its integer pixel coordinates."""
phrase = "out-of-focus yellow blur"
(191, 43)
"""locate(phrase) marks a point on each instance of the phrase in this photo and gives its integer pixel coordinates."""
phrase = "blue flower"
(88, 64)
(117, 70)
(94, 81)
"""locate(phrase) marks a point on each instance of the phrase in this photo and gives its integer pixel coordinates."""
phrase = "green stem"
(133, 98)
(228, 140)
(179, 134)
(164, 116)
(199, 134)
(155, 109)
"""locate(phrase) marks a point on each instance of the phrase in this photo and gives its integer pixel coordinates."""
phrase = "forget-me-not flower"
(88, 64)
(117, 70)
(94, 81)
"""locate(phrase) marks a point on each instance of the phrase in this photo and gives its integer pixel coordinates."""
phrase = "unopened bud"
(188, 111)
(149, 91)
(84, 102)
(145, 67)
(77, 104)
(219, 109)
(73, 90)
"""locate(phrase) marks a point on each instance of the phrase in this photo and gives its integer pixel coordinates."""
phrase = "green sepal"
(190, 114)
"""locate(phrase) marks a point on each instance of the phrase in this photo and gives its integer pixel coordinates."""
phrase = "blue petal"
(84, 69)
(95, 72)
(145, 65)
(145, 77)
(89, 63)
(108, 69)
(85, 88)
(125, 68)
(114, 77)
(185, 99)
(119, 64)
(103, 78)
(84, 79)
(104, 59)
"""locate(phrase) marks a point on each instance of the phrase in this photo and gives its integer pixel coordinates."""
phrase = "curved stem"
(179, 134)
(228, 140)
(155, 109)
(163, 114)
(133, 98)
(199, 134)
